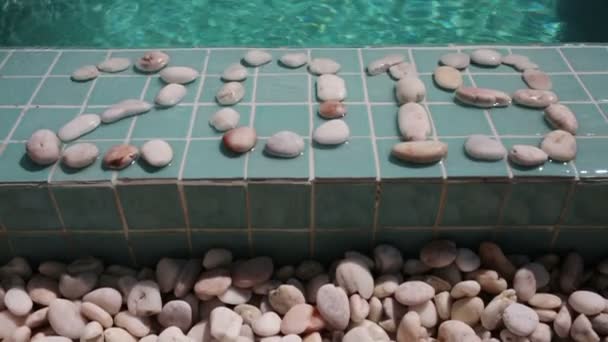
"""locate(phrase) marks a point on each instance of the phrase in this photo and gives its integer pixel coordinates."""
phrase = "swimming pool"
(147, 23)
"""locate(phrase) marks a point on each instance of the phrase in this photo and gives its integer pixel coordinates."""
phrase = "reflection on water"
(143, 23)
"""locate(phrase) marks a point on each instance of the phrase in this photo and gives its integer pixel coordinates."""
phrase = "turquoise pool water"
(145, 23)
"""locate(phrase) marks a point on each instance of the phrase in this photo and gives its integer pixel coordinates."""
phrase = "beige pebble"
(285, 297)
(136, 326)
(443, 304)
(95, 313)
(410, 89)
(520, 319)
(542, 333)
(456, 331)
(563, 322)
(118, 335)
(235, 296)
(493, 312)
(467, 288)
(527, 155)
(333, 305)
(297, 319)
(582, 331)
(410, 328)
(107, 298)
(456, 60)
(447, 77)
(21, 334)
(524, 284)
(427, 313)
(64, 317)
(225, 324)
(561, 117)
(413, 121)
(359, 308)
(587, 302)
(600, 324)
(355, 277)
(332, 109)
(375, 309)
(269, 324)
(467, 260)
(414, 293)
(213, 283)
(252, 272)
(17, 301)
(387, 259)
(535, 98)
(483, 98)
(420, 152)
(144, 299)
(545, 301)
(93, 332)
(439, 253)
(37, 318)
(545, 315)
(559, 145)
(177, 313)
(152, 61)
(120, 156)
(467, 310)
(386, 284)
(536, 79)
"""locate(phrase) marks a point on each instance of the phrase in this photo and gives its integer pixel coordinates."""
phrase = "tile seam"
(370, 119)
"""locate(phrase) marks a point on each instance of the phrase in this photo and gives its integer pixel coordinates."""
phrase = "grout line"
(576, 175)
(370, 119)
(377, 203)
(313, 210)
(562, 217)
(124, 223)
(199, 91)
(248, 216)
(251, 120)
(444, 172)
(6, 58)
(186, 213)
(29, 102)
(582, 84)
(491, 123)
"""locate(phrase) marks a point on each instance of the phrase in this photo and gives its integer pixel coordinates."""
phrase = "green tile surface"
(28, 63)
(225, 165)
(216, 206)
(587, 205)
(331, 245)
(87, 207)
(279, 205)
(345, 205)
(408, 204)
(151, 206)
(473, 204)
(296, 246)
(236, 241)
(587, 59)
(17, 91)
(27, 208)
(459, 164)
(535, 203)
(39, 247)
(353, 159)
(201, 127)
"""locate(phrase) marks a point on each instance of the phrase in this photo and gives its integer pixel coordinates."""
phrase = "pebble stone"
(115, 64)
(235, 73)
(414, 292)
(410, 89)
(322, 66)
(85, 73)
(52, 269)
(534, 98)
(294, 60)
(559, 145)
(225, 324)
(257, 57)
(230, 93)
(386, 284)
(600, 324)
(486, 57)
(136, 326)
(144, 299)
(562, 322)
(95, 313)
(120, 156)
(456, 60)
(118, 335)
(285, 297)
(240, 139)
(170, 95)
(17, 301)
(467, 310)
(399, 71)
(439, 253)
(65, 319)
(467, 288)
(252, 272)
(157, 152)
(80, 155)
(561, 117)
(331, 87)
(525, 65)
(359, 308)
(235, 296)
(125, 109)
(42, 290)
(333, 132)
(178, 74)
(354, 277)
(387, 259)
(582, 330)
(176, 313)
(536, 79)
(332, 109)
(297, 319)
(467, 260)
(483, 147)
(413, 122)
(545, 301)
(43, 147)
(587, 302)
(410, 328)
(520, 319)
(269, 324)
(527, 155)
(333, 305)
(217, 257)
(482, 98)
(285, 144)
(447, 77)
(420, 152)
(79, 126)
(74, 287)
(152, 61)
(213, 283)
(248, 312)
(513, 59)
(107, 298)
(456, 331)
(381, 65)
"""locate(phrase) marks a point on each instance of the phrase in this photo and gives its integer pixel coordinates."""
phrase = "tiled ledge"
(318, 204)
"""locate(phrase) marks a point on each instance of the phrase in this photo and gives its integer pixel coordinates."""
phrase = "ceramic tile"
(459, 120)
(408, 204)
(42, 118)
(549, 59)
(596, 84)
(473, 204)
(459, 164)
(587, 205)
(88, 207)
(216, 206)
(353, 159)
(348, 58)
(16, 166)
(385, 120)
(150, 247)
(156, 84)
(235, 241)
(262, 165)
(583, 241)
(110, 247)
(590, 120)
(152, 206)
(279, 205)
(536, 241)
(370, 55)
(587, 59)
(535, 203)
(356, 118)
(62, 91)
(163, 123)
(549, 169)
(466, 237)
(298, 243)
(111, 90)
(220, 59)
(345, 205)
(428, 60)
(516, 120)
(293, 88)
(201, 126)
(69, 61)
(272, 119)
(5, 249)
(115, 130)
(409, 241)
(588, 164)
(17, 91)
(28, 63)
(8, 117)
(133, 56)
(225, 165)
(331, 245)
(214, 83)
(25, 207)
(381, 88)
(276, 67)
(43, 246)
(568, 88)
(189, 58)
(436, 94)
(142, 170)
(94, 172)
(392, 167)
(506, 83)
